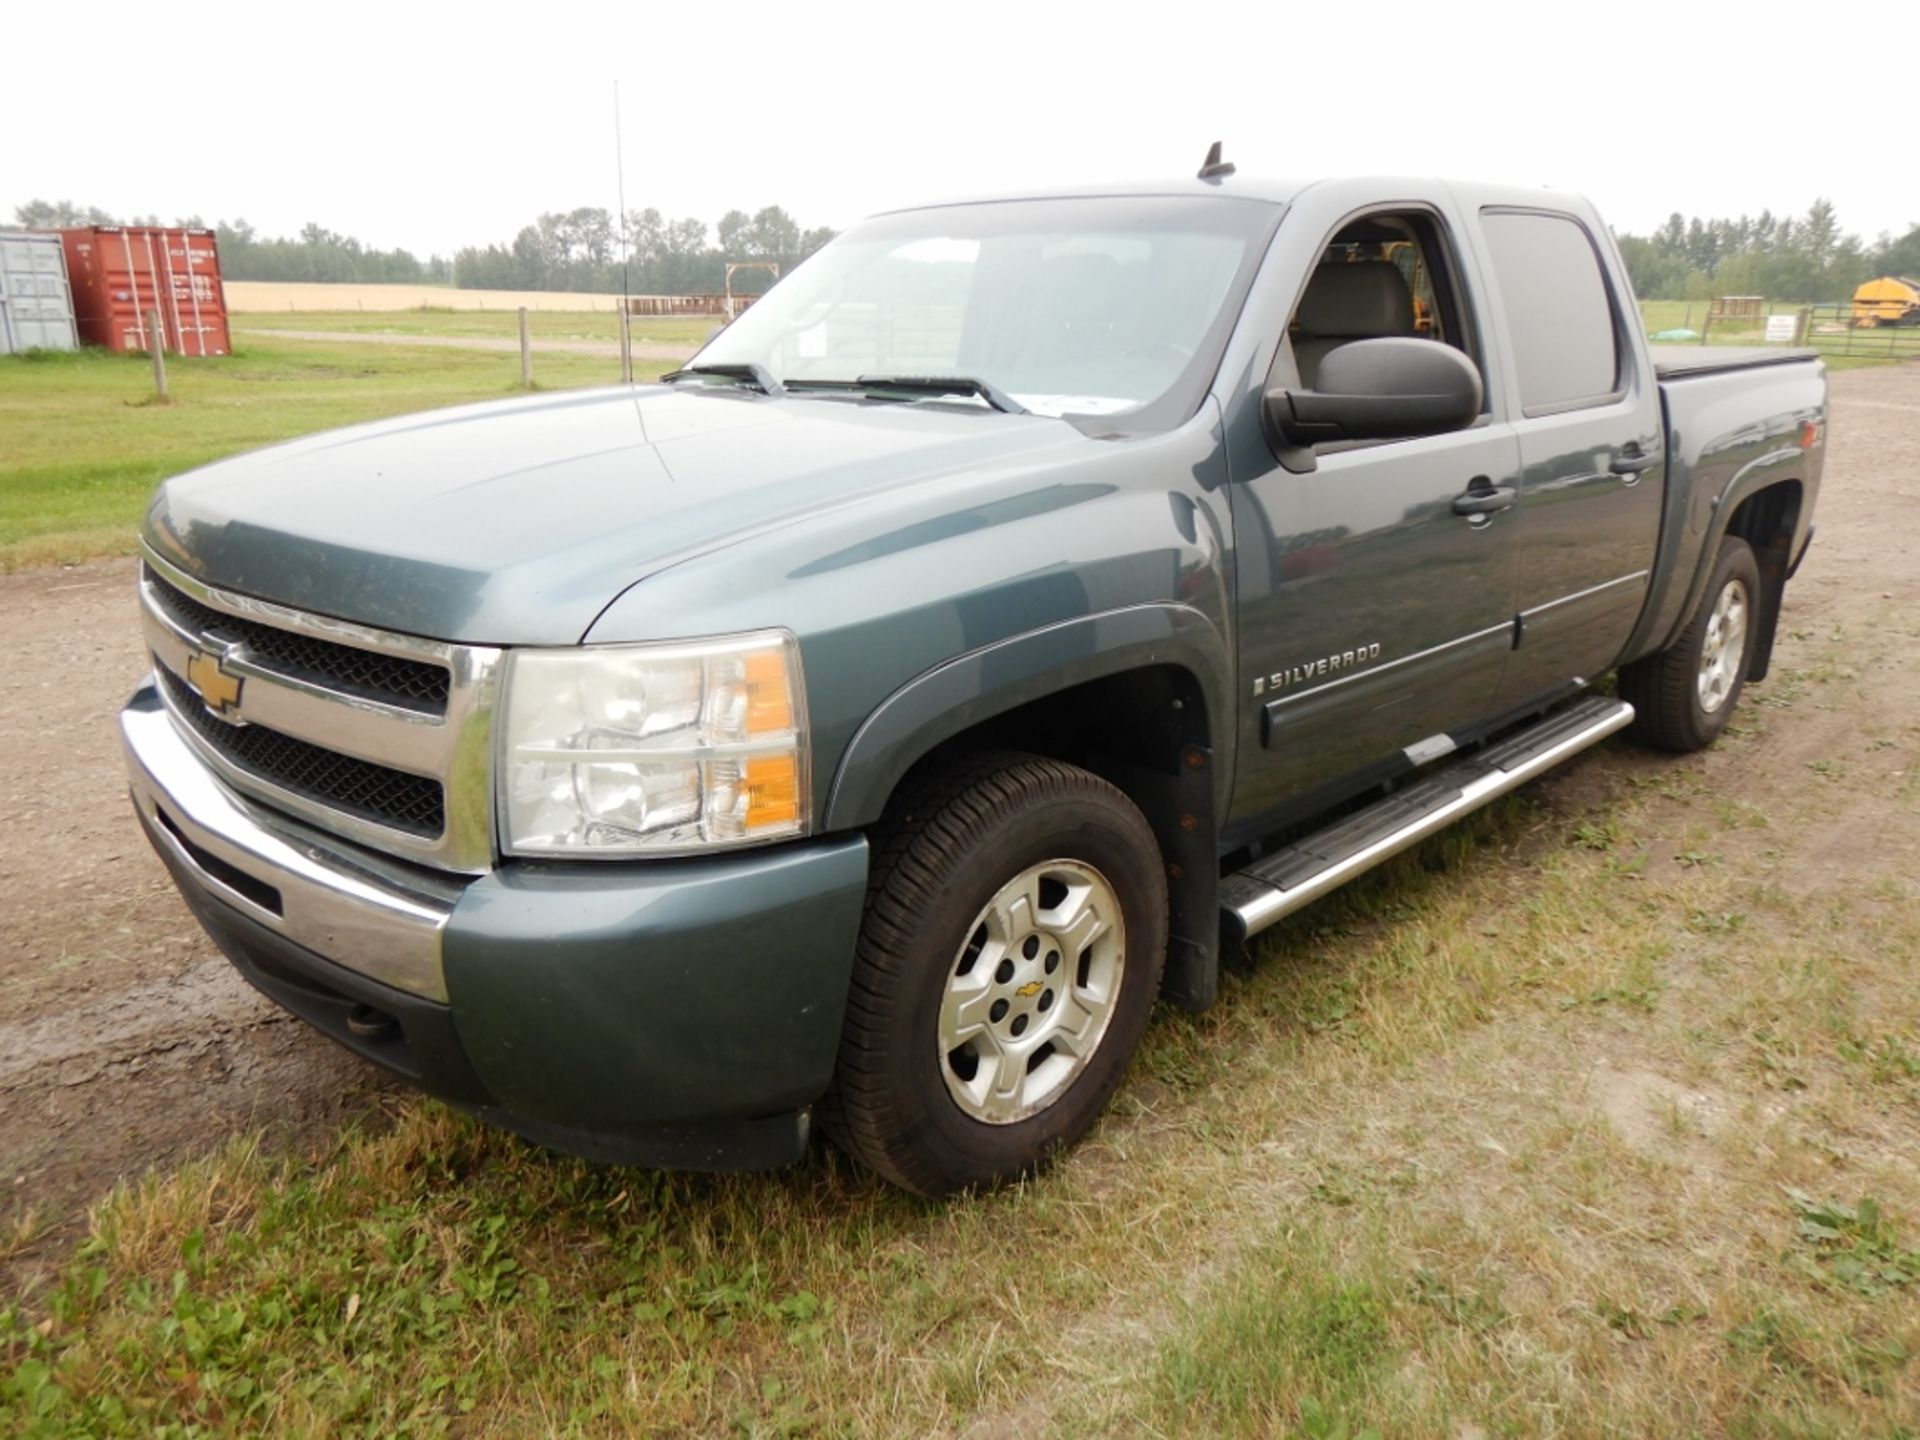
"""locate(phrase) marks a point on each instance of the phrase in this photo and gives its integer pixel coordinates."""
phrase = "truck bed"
(1676, 362)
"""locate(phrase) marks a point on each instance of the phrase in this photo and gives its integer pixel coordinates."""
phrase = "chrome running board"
(1278, 884)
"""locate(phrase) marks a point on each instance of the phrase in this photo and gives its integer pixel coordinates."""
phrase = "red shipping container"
(120, 273)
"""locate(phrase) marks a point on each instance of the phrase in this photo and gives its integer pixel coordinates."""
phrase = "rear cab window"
(1562, 322)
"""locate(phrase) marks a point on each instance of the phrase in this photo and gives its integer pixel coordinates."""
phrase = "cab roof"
(1267, 190)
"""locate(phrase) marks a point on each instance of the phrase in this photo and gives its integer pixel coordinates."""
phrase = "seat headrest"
(1355, 299)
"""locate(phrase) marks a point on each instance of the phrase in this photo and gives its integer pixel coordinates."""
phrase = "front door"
(1374, 616)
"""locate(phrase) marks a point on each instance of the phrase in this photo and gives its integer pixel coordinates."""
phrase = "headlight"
(612, 750)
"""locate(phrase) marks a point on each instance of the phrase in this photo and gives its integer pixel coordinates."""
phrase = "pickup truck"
(1018, 608)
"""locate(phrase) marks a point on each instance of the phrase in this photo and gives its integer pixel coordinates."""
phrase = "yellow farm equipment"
(1887, 301)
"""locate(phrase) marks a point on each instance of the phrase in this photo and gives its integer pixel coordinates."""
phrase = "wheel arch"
(1768, 518)
(1765, 508)
(1136, 695)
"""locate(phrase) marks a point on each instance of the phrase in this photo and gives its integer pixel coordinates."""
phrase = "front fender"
(962, 692)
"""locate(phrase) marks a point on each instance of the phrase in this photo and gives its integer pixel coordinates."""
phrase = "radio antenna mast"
(626, 250)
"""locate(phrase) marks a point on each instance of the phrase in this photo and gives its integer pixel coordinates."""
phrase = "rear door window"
(1560, 316)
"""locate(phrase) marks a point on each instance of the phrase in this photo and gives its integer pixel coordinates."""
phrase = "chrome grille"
(381, 738)
(394, 679)
(359, 787)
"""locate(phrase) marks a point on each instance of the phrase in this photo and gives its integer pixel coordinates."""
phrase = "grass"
(82, 444)
(1844, 348)
(495, 324)
(1542, 1130)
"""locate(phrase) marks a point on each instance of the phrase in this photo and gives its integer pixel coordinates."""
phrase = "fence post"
(526, 353)
(626, 347)
(157, 343)
(1803, 330)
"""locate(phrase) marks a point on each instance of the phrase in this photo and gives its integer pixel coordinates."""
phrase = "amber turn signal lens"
(769, 698)
(773, 791)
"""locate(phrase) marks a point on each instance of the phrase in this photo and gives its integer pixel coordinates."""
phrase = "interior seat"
(1349, 300)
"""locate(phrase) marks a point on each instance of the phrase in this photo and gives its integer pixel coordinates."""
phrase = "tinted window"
(1558, 315)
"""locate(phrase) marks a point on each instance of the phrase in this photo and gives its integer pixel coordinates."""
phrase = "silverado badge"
(1316, 666)
(218, 690)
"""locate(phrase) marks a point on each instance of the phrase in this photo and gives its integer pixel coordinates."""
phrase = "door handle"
(1484, 499)
(1633, 462)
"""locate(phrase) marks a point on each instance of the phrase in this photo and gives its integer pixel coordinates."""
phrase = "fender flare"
(1760, 474)
(962, 692)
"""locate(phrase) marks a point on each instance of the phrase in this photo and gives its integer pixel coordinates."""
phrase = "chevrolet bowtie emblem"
(218, 690)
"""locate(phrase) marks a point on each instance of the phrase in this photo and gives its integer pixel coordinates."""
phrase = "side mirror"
(1384, 389)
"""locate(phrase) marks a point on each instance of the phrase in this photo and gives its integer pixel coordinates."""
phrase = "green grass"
(496, 324)
(1844, 348)
(82, 444)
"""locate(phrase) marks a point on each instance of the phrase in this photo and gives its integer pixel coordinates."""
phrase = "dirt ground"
(284, 295)
(125, 1041)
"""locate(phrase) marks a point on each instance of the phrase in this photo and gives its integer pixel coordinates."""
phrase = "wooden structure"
(1738, 307)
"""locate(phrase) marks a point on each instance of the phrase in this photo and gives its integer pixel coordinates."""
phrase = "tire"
(1684, 695)
(983, 881)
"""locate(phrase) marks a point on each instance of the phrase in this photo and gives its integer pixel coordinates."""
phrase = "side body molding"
(962, 692)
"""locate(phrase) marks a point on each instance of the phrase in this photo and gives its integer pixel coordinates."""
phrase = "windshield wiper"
(924, 385)
(748, 372)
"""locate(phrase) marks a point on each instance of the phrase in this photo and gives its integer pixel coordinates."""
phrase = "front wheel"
(1015, 935)
(1684, 695)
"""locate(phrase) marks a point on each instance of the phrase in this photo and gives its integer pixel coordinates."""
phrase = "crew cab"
(1024, 603)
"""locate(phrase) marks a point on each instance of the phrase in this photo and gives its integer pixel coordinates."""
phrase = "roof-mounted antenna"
(1215, 168)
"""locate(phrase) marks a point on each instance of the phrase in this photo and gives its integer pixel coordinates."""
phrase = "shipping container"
(36, 308)
(123, 273)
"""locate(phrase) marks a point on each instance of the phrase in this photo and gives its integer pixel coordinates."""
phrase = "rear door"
(1586, 409)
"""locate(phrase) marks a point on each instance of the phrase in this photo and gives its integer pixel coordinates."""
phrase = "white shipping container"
(36, 304)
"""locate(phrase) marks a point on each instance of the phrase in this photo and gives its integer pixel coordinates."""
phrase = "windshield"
(1099, 307)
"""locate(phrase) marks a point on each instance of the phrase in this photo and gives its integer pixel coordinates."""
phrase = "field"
(251, 296)
(685, 334)
(1595, 1117)
(1844, 347)
(84, 446)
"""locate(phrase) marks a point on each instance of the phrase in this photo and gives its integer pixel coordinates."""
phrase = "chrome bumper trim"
(349, 905)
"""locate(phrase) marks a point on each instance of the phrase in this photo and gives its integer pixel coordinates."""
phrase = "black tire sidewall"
(1088, 829)
(1735, 562)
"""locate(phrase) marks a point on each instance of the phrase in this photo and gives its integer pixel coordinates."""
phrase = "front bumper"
(681, 1013)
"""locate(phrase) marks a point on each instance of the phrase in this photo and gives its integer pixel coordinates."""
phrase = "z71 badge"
(1320, 665)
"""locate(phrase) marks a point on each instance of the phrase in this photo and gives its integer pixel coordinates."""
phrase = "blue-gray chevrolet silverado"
(1025, 602)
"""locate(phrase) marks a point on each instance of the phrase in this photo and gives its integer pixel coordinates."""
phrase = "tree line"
(581, 250)
(1782, 257)
(561, 250)
(316, 253)
(1806, 257)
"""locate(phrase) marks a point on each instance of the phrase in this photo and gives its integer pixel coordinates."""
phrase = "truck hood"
(518, 522)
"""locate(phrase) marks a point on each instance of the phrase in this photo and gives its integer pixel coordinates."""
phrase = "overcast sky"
(456, 125)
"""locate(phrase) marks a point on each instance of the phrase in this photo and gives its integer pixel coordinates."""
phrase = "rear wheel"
(1684, 695)
(1015, 935)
